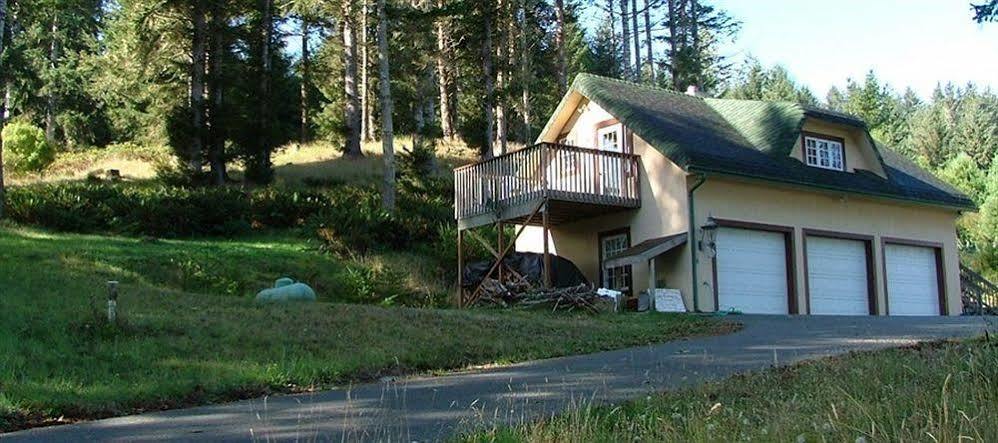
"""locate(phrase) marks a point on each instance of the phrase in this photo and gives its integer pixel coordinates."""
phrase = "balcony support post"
(460, 268)
(547, 254)
(473, 297)
(502, 247)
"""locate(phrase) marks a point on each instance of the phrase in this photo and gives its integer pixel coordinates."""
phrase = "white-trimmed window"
(616, 278)
(610, 138)
(824, 153)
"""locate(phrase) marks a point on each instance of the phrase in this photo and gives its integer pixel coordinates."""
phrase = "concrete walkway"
(435, 408)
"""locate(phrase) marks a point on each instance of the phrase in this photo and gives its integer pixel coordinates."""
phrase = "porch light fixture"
(708, 237)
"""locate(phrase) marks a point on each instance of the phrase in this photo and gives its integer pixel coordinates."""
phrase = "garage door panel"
(837, 272)
(912, 280)
(751, 271)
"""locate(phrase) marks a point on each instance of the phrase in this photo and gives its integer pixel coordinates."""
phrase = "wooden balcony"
(575, 182)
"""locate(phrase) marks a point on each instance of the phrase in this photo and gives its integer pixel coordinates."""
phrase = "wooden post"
(112, 302)
(547, 254)
(460, 268)
(499, 227)
(651, 283)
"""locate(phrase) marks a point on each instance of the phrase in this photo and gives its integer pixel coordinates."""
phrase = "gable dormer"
(836, 146)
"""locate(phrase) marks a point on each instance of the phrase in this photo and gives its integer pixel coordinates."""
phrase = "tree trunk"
(216, 136)
(50, 99)
(197, 89)
(388, 191)
(625, 40)
(502, 56)
(559, 41)
(262, 157)
(613, 25)
(525, 73)
(650, 57)
(352, 117)
(443, 77)
(695, 50)
(489, 86)
(366, 117)
(3, 107)
(306, 78)
(637, 40)
(674, 43)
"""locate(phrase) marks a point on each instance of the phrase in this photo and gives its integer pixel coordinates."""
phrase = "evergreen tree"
(50, 46)
(775, 84)
(835, 99)
(963, 172)
(3, 108)
(696, 32)
(976, 132)
(986, 12)
(869, 101)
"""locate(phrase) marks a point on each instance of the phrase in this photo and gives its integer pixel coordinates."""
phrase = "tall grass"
(932, 392)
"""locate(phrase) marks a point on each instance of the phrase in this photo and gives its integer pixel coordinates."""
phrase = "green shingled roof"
(753, 139)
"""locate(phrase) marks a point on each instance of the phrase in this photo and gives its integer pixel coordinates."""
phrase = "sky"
(916, 43)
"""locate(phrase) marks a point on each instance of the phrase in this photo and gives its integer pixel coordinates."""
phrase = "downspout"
(693, 244)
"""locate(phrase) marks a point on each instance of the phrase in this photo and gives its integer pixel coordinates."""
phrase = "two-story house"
(762, 207)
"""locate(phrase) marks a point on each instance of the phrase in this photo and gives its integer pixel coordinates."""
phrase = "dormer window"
(824, 152)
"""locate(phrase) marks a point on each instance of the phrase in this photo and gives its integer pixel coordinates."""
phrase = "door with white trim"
(611, 139)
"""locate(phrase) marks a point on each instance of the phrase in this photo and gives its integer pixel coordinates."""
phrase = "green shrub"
(25, 147)
(346, 219)
(354, 222)
(159, 210)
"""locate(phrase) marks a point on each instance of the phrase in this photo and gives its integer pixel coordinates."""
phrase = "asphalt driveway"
(434, 408)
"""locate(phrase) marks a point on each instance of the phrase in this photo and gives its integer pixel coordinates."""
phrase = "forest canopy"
(226, 82)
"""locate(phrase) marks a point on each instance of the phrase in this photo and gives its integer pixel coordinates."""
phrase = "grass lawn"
(190, 333)
(932, 392)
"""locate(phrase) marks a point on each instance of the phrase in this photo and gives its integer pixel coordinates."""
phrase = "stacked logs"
(516, 291)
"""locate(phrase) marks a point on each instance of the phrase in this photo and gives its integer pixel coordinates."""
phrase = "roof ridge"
(640, 85)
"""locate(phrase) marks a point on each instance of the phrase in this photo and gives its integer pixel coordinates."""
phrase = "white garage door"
(837, 276)
(751, 271)
(912, 284)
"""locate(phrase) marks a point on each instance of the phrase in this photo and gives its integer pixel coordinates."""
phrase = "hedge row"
(346, 217)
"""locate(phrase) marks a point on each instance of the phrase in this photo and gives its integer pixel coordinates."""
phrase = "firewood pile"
(516, 291)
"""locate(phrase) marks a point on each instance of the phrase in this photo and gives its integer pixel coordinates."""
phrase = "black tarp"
(564, 273)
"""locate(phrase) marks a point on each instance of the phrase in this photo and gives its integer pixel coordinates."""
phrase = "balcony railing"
(556, 172)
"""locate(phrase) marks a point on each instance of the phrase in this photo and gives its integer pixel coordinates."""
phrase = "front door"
(617, 278)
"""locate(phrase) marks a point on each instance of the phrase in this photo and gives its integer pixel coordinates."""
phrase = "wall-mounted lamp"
(708, 237)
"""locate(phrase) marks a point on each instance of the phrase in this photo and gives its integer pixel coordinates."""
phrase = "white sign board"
(669, 300)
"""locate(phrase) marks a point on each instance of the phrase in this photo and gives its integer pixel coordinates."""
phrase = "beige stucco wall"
(581, 128)
(859, 152)
(804, 209)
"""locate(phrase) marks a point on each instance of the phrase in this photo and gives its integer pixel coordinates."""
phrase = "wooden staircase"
(980, 296)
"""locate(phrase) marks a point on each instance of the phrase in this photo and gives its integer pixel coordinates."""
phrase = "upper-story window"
(822, 152)
(609, 138)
